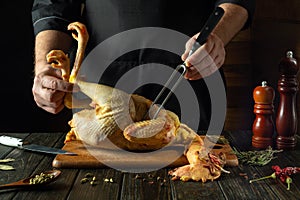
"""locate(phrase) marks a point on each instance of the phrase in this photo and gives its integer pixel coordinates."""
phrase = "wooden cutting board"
(89, 157)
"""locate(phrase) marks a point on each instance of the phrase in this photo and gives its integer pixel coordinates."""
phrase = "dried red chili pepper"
(282, 174)
(286, 170)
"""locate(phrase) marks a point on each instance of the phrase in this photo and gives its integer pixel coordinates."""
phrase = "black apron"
(105, 18)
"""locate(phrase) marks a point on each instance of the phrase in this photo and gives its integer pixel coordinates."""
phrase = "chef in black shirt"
(105, 19)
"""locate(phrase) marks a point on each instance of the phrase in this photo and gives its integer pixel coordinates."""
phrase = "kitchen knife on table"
(17, 142)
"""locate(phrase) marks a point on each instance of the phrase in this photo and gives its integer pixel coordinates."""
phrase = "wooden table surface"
(151, 185)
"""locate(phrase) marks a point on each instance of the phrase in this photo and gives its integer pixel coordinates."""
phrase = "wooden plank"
(11, 176)
(271, 42)
(101, 189)
(22, 158)
(28, 163)
(230, 182)
(89, 157)
(267, 189)
(242, 141)
(238, 75)
(126, 186)
(277, 9)
(239, 119)
(148, 185)
(240, 97)
(277, 187)
(67, 176)
(196, 190)
(56, 190)
(238, 53)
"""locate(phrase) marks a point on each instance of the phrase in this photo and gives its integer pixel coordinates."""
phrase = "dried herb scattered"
(108, 180)
(6, 167)
(244, 175)
(94, 181)
(151, 179)
(84, 180)
(41, 178)
(256, 157)
(89, 177)
(7, 160)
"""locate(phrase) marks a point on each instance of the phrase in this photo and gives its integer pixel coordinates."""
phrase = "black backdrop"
(19, 112)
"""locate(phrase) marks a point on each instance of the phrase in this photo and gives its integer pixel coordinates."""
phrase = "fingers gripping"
(59, 60)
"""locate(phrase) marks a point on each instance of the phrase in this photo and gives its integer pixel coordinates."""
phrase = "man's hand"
(205, 60)
(49, 90)
(48, 87)
(211, 56)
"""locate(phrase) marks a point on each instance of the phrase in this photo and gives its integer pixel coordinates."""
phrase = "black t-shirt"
(184, 17)
(106, 19)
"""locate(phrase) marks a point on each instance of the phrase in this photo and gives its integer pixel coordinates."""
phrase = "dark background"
(19, 111)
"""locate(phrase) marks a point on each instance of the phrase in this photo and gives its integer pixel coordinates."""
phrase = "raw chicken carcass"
(123, 119)
(119, 117)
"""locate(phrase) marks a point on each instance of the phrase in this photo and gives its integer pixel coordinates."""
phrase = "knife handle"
(11, 141)
(210, 24)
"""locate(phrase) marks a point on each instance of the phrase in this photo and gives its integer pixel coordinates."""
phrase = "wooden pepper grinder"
(286, 118)
(263, 126)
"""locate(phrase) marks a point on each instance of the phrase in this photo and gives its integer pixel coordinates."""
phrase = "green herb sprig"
(256, 157)
(6, 167)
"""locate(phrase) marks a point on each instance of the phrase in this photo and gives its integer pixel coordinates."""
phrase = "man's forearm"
(46, 41)
(232, 22)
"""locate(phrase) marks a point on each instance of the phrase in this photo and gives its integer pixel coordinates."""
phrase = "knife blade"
(17, 142)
